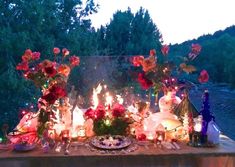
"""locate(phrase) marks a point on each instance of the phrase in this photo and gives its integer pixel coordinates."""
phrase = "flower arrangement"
(51, 77)
(165, 75)
(109, 120)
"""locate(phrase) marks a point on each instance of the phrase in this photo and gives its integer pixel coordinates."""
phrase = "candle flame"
(95, 98)
(119, 99)
(109, 99)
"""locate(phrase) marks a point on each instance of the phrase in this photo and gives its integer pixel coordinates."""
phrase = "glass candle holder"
(65, 135)
(81, 131)
(160, 136)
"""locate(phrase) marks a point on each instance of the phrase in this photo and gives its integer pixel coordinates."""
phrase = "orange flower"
(27, 55)
(137, 60)
(56, 51)
(65, 52)
(64, 70)
(149, 64)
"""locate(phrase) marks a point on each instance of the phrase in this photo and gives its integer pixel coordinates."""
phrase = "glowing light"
(109, 100)
(107, 122)
(198, 127)
(78, 119)
(120, 99)
(1, 140)
(95, 98)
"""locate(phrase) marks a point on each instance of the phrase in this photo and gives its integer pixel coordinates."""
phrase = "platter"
(24, 147)
(110, 142)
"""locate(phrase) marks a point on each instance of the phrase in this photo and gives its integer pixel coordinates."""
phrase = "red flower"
(99, 112)
(203, 77)
(65, 52)
(58, 91)
(118, 110)
(36, 55)
(165, 50)
(144, 82)
(24, 66)
(196, 48)
(137, 60)
(50, 98)
(56, 51)
(50, 71)
(74, 60)
(141, 137)
(152, 52)
(90, 113)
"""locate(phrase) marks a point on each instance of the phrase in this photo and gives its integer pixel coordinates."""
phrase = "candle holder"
(65, 136)
(195, 139)
(160, 136)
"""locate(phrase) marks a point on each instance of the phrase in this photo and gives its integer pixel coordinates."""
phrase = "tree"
(129, 34)
(39, 25)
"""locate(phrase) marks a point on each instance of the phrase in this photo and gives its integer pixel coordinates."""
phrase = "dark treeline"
(41, 25)
(217, 55)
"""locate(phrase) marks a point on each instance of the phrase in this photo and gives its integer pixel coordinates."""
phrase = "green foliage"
(128, 34)
(118, 127)
(217, 55)
(39, 25)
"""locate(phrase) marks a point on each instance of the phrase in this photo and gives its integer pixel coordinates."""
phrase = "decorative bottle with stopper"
(206, 114)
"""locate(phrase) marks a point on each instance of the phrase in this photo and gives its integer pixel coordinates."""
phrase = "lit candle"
(82, 132)
(149, 135)
(198, 124)
(198, 127)
(51, 133)
(65, 135)
(107, 122)
(109, 100)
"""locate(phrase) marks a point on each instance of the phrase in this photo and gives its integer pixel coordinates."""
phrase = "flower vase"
(168, 102)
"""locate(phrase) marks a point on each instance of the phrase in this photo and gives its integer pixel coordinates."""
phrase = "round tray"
(24, 147)
(102, 142)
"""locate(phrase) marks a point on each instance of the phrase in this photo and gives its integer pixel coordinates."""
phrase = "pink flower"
(118, 110)
(144, 82)
(36, 55)
(203, 77)
(24, 66)
(56, 51)
(165, 50)
(74, 60)
(137, 60)
(196, 48)
(65, 52)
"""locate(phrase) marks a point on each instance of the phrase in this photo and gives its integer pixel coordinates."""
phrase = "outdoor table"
(222, 155)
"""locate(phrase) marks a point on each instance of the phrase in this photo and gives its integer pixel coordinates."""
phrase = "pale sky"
(177, 20)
